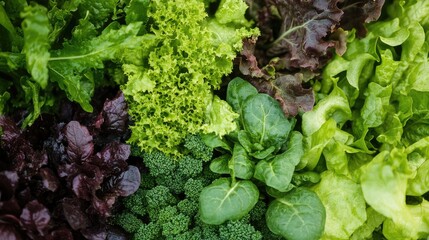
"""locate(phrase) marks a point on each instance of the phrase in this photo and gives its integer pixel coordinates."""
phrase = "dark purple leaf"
(359, 12)
(49, 180)
(74, 214)
(79, 140)
(35, 217)
(84, 187)
(9, 232)
(114, 114)
(8, 184)
(125, 183)
(289, 92)
(102, 206)
(60, 234)
(113, 157)
(96, 233)
(303, 29)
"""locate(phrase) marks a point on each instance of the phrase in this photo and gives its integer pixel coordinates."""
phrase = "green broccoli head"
(193, 188)
(239, 229)
(189, 166)
(136, 203)
(159, 197)
(196, 146)
(158, 163)
(128, 221)
(150, 231)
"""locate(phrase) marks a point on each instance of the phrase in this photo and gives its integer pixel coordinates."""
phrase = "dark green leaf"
(223, 200)
(240, 164)
(300, 215)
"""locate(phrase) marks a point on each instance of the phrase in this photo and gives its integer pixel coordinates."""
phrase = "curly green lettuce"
(170, 93)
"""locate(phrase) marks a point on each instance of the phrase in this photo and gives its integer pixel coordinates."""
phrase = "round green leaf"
(300, 215)
(223, 200)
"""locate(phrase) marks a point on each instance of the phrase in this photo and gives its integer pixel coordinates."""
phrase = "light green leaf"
(373, 221)
(225, 200)
(36, 28)
(300, 215)
(344, 203)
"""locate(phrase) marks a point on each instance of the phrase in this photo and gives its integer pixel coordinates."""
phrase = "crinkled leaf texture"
(304, 27)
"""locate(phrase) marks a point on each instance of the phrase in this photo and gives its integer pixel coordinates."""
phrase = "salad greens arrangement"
(214, 119)
(369, 128)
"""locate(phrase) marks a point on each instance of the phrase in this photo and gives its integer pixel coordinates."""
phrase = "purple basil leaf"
(102, 206)
(115, 114)
(60, 234)
(113, 157)
(79, 140)
(125, 183)
(84, 187)
(8, 184)
(35, 217)
(74, 214)
(49, 180)
(8, 232)
(94, 233)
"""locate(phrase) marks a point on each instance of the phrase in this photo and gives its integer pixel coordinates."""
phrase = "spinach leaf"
(225, 200)
(300, 215)
(220, 164)
(278, 172)
(240, 163)
(237, 92)
(265, 122)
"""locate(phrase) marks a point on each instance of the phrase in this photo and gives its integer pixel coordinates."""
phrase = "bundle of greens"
(368, 132)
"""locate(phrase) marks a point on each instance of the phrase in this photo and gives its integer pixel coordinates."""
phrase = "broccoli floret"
(136, 203)
(159, 164)
(129, 222)
(188, 207)
(176, 225)
(193, 188)
(147, 181)
(198, 148)
(175, 182)
(150, 231)
(189, 166)
(239, 229)
(258, 212)
(159, 197)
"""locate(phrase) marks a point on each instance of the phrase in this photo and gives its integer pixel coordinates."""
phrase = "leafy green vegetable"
(170, 90)
(298, 215)
(368, 133)
(264, 138)
(225, 200)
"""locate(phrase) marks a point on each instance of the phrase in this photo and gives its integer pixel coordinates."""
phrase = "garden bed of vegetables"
(214, 119)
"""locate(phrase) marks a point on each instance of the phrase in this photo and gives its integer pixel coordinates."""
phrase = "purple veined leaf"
(35, 217)
(249, 65)
(304, 27)
(74, 214)
(113, 157)
(9, 232)
(49, 180)
(125, 183)
(80, 146)
(8, 184)
(95, 233)
(115, 115)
